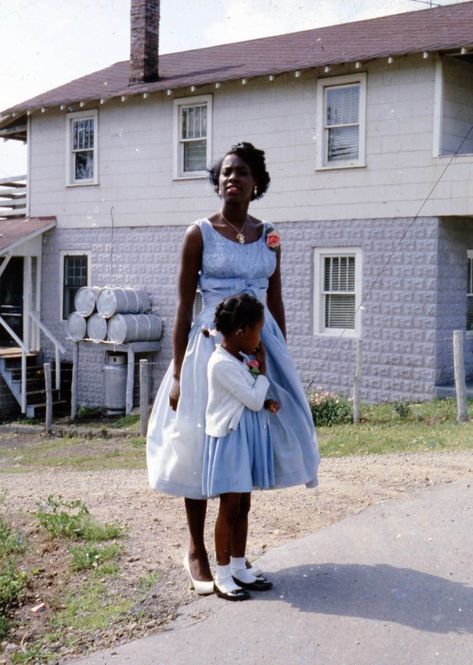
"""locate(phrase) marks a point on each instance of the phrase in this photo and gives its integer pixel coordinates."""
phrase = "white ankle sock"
(223, 579)
(240, 571)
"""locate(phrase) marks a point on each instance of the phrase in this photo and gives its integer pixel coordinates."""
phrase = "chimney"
(144, 47)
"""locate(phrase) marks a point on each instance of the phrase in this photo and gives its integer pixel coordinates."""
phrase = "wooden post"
(49, 397)
(459, 369)
(130, 380)
(144, 396)
(75, 368)
(357, 381)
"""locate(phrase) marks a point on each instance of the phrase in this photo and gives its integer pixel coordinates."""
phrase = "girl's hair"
(238, 312)
(255, 160)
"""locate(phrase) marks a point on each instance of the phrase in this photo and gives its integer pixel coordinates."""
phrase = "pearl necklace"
(239, 232)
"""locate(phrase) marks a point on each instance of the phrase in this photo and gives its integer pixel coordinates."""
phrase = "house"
(368, 132)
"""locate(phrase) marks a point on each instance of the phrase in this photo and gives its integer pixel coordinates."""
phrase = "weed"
(35, 655)
(87, 412)
(10, 542)
(138, 442)
(88, 557)
(329, 408)
(126, 421)
(147, 582)
(12, 583)
(4, 626)
(73, 520)
(402, 408)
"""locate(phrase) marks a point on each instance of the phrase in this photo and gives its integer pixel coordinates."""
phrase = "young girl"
(238, 454)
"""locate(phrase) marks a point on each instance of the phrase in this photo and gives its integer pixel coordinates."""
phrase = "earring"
(255, 191)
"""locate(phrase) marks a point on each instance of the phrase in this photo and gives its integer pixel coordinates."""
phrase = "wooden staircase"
(10, 370)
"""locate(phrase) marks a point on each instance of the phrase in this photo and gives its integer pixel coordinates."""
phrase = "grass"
(12, 579)
(90, 557)
(386, 429)
(71, 519)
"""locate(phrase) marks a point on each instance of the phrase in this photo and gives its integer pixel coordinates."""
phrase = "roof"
(14, 232)
(442, 28)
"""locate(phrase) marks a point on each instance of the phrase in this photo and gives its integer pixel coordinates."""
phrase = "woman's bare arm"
(274, 295)
(191, 261)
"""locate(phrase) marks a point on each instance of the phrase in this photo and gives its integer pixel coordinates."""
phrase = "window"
(341, 121)
(337, 291)
(192, 128)
(82, 148)
(469, 291)
(74, 274)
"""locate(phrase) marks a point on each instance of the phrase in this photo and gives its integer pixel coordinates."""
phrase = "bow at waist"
(215, 289)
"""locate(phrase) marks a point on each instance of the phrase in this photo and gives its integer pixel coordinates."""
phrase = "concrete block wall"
(401, 318)
(399, 307)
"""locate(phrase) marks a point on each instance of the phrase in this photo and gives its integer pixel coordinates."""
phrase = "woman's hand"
(174, 394)
(260, 355)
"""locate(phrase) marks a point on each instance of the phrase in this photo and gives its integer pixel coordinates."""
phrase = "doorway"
(11, 300)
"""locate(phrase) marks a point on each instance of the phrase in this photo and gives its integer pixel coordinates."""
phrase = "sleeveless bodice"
(228, 267)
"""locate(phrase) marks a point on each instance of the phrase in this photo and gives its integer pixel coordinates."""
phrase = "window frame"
(322, 163)
(71, 181)
(320, 254)
(63, 255)
(178, 142)
(469, 257)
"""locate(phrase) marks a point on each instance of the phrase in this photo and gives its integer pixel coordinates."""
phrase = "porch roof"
(14, 232)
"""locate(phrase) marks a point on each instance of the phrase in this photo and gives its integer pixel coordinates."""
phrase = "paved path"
(390, 586)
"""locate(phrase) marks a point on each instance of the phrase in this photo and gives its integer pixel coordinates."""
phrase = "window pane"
(343, 105)
(83, 134)
(339, 273)
(75, 276)
(195, 156)
(469, 313)
(194, 122)
(340, 311)
(343, 144)
(84, 165)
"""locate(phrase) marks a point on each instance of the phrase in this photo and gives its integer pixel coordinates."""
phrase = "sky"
(45, 43)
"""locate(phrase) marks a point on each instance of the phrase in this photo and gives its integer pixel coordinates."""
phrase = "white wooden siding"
(136, 186)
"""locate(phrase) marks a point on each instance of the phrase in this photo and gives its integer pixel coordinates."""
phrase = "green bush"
(329, 408)
(12, 583)
(402, 408)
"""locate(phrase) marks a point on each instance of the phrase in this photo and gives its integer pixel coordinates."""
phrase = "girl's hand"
(174, 394)
(260, 355)
(271, 405)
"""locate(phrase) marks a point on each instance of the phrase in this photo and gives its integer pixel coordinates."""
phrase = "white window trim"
(469, 255)
(77, 115)
(187, 101)
(329, 82)
(318, 322)
(62, 255)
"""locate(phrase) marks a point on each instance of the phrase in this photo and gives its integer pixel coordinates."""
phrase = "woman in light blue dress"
(227, 253)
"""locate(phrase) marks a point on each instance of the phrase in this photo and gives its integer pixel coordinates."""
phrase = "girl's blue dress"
(176, 439)
(242, 460)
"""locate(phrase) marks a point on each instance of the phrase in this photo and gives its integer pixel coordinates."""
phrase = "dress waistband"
(215, 289)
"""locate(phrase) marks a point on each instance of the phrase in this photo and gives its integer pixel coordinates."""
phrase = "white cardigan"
(231, 388)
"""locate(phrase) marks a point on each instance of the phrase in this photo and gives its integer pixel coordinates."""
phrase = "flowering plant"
(253, 366)
(273, 239)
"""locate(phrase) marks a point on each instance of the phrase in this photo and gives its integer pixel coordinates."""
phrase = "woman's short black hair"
(255, 160)
(237, 312)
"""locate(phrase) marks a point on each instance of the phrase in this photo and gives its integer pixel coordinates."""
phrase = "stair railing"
(58, 347)
(24, 351)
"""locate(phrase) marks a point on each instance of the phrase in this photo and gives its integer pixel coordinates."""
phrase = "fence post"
(357, 381)
(49, 397)
(144, 396)
(75, 369)
(459, 369)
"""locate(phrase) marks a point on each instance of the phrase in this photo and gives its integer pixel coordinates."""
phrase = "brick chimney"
(144, 47)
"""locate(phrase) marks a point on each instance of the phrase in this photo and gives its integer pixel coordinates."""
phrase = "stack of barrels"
(118, 315)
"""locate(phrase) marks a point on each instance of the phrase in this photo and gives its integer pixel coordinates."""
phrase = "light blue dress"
(176, 439)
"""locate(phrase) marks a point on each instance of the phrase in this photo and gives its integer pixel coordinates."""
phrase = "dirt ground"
(156, 528)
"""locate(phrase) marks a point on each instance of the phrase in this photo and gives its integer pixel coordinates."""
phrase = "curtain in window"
(194, 137)
(83, 148)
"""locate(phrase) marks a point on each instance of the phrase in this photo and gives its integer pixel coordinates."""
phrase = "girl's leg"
(198, 560)
(240, 528)
(228, 515)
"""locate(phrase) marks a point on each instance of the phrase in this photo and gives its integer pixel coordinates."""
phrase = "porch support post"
(27, 292)
(23, 381)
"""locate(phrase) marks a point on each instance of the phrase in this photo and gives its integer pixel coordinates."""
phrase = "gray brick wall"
(409, 308)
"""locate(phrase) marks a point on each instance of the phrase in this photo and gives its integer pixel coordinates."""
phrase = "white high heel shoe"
(203, 588)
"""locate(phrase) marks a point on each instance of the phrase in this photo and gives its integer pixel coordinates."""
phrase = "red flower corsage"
(253, 366)
(273, 239)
